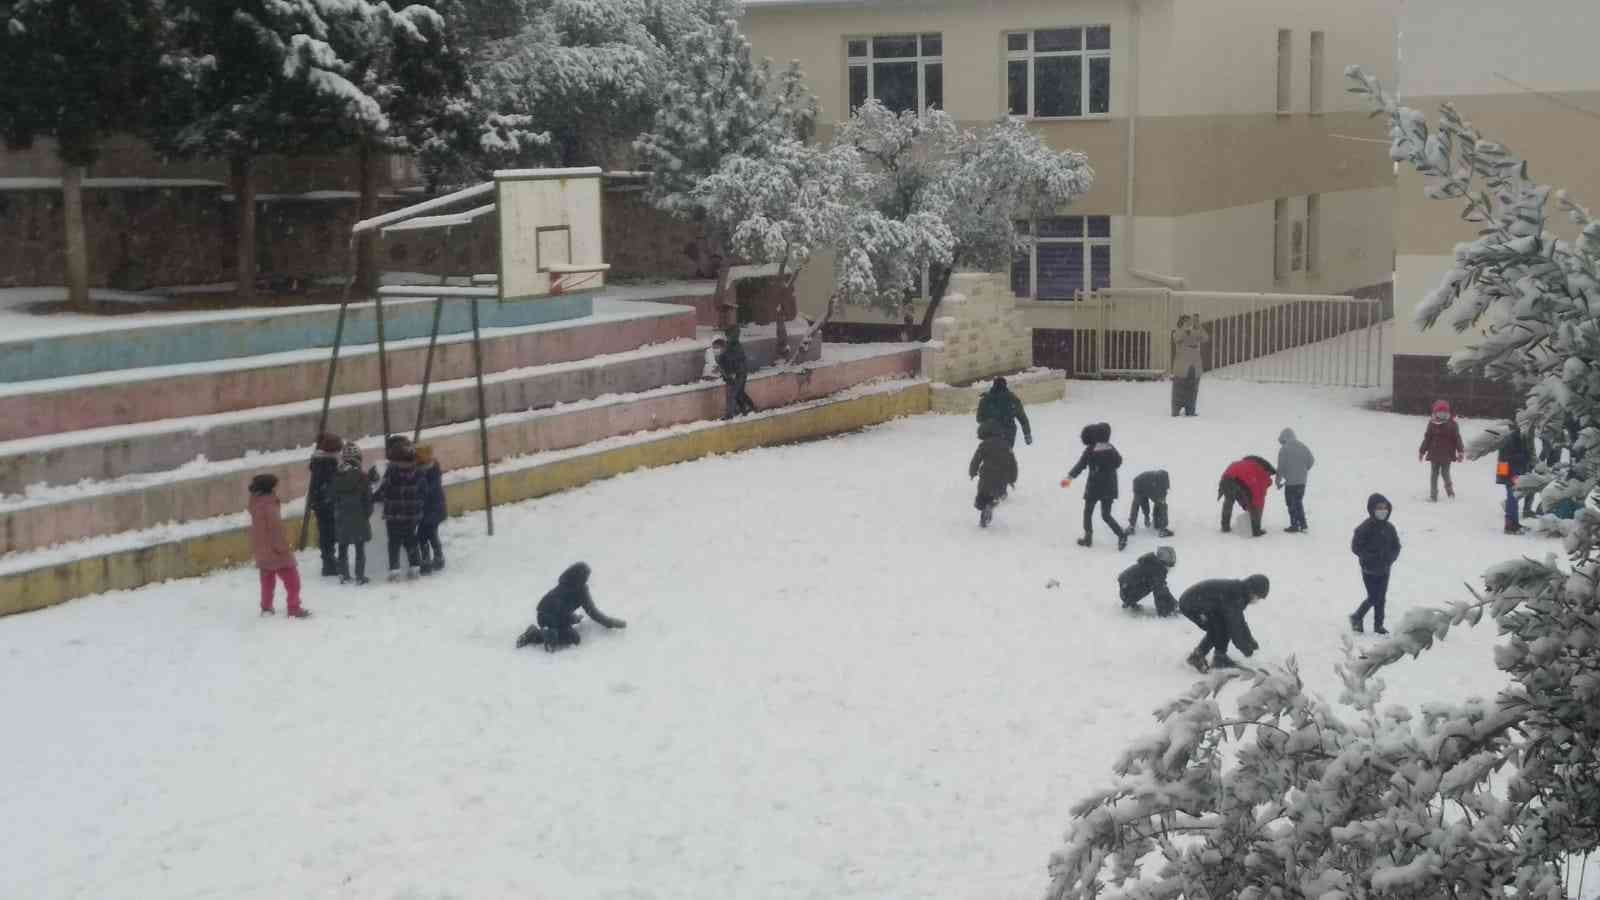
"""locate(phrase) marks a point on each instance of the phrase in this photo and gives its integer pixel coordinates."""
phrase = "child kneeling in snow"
(556, 625)
(274, 559)
(1217, 607)
(1149, 576)
(995, 467)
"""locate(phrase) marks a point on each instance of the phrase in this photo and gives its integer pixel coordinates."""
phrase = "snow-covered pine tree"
(978, 183)
(720, 105)
(77, 72)
(1484, 798)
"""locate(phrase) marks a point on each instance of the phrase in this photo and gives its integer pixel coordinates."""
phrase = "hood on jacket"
(1258, 585)
(1286, 435)
(1098, 433)
(999, 386)
(1374, 500)
(329, 443)
(1443, 406)
(576, 575)
(350, 456)
(1168, 556)
(1267, 467)
(263, 484)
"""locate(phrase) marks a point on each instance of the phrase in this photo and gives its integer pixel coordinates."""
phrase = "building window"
(1315, 100)
(1280, 229)
(1285, 77)
(1059, 73)
(1313, 215)
(1069, 254)
(901, 71)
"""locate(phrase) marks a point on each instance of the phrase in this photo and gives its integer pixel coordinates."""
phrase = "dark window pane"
(856, 48)
(933, 85)
(1061, 226)
(1099, 86)
(1017, 41)
(1017, 88)
(858, 86)
(1099, 226)
(932, 45)
(895, 85)
(1023, 226)
(1098, 37)
(1058, 39)
(1060, 86)
(1021, 277)
(889, 47)
(1100, 267)
(1060, 270)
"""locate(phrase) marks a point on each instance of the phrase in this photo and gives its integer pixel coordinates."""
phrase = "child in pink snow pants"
(274, 559)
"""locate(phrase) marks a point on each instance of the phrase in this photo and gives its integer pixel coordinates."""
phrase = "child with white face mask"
(1377, 545)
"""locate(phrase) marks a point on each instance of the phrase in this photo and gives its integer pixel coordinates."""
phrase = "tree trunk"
(782, 349)
(244, 193)
(367, 242)
(938, 283)
(814, 330)
(77, 243)
(726, 317)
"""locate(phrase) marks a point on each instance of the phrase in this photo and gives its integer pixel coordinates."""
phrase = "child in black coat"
(1377, 545)
(556, 625)
(1149, 576)
(1217, 606)
(995, 467)
(1102, 460)
(1150, 490)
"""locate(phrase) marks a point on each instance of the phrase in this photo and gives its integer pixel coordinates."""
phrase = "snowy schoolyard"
(833, 684)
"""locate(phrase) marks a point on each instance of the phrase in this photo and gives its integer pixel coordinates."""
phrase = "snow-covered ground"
(833, 683)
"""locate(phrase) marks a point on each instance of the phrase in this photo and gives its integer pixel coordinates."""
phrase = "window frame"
(1283, 105)
(921, 60)
(1318, 47)
(1031, 55)
(1088, 243)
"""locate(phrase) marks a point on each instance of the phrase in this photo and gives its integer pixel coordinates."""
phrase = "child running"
(1102, 460)
(995, 467)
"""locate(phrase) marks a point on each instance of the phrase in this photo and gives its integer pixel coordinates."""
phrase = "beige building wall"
(1210, 150)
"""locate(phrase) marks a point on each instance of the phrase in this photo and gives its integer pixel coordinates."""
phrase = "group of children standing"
(342, 496)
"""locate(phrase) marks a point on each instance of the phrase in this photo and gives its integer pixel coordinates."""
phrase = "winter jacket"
(1188, 343)
(1294, 458)
(1441, 443)
(430, 487)
(1512, 460)
(1147, 575)
(560, 606)
(998, 404)
(1225, 597)
(1153, 484)
(733, 362)
(1375, 541)
(400, 492)
(1255, 474)
(352, 506)
(994, 465)
(268, 543)
(1102, 460)
(320, 493)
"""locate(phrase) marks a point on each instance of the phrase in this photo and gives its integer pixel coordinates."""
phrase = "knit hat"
(329, 443)
(999, 382)
(1168, 556)
(424, 455)
(350, 455)
(1441, 406)
(1257, 585)
(263, 484)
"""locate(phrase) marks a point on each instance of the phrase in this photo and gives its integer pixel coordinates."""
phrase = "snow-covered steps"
(53, 406)
(43, 578)
(205, 490)
(109, 453)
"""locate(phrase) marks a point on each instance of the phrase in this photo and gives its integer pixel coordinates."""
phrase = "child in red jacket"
(274, 559)
(1245, 482)
(1441, 446)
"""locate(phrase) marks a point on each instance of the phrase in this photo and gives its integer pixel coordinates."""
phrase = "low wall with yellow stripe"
(186, 558)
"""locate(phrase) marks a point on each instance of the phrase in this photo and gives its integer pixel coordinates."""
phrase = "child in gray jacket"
(1294, 466)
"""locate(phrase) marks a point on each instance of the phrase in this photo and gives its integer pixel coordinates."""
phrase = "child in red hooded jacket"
(1245, 482)
(1441, 446)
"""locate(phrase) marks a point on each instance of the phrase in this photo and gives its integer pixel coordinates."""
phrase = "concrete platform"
(228, 544)
(219, 489)
(1030, 386)
(109, 453)
(32, 409)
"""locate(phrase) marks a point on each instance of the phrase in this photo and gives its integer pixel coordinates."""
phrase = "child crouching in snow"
(1149, 576)
(1150, 490)
(269, 545)
(995, 467)
(556, 625)
(1217, 606)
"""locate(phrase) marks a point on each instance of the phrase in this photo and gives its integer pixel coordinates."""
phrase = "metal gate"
(1323, 339)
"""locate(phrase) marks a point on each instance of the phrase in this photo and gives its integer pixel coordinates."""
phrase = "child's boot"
(985, 516)
(1355, 624)
(1220, 660)
(1122, 540)
(299, 612)
(1198, 660)
(1086, 541)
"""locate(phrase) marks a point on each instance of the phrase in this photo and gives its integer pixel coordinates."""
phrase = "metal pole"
(433, 340)
(1345, 339)
(483, 418)
(327, 385)
(383, 366)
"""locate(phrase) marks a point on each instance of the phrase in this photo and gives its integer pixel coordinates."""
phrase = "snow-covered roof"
(775, 4)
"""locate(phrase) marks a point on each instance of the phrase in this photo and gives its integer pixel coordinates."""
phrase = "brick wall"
(641, 240)
(979, 332)
(1420, 380)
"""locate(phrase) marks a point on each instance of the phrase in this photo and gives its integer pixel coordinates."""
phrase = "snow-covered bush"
(1483, 798)
(975, 184)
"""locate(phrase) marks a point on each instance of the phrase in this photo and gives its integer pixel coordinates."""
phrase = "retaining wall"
(128, 569)
(979, 332)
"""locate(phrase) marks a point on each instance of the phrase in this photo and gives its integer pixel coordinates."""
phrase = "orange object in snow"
(1503, 470)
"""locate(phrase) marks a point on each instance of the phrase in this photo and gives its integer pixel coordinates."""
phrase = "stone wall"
(979, 332)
